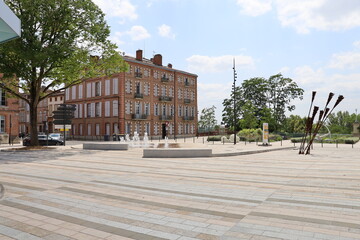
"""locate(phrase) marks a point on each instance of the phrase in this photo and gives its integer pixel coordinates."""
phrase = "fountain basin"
(177, 152)
(106, 146)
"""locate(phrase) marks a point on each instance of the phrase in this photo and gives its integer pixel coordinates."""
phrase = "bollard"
(294, 144)
(193, 139)
(352, 144)
(223, 141)
(213, 142)
(281, 142)
(175, 139)
(203, 141)
(322, 144)
(336, 144)
(184, 139)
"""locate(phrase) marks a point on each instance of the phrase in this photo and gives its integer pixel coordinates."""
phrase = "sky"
(316, 43)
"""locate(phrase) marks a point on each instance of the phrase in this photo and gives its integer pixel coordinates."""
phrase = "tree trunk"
(33, 125)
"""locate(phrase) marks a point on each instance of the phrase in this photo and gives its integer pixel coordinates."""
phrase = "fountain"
(146, 140)
(166, 142)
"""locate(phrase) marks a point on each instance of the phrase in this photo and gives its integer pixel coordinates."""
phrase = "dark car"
(44, 141)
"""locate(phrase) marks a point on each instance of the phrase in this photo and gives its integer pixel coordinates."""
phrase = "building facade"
(9, 117)
(148, 98)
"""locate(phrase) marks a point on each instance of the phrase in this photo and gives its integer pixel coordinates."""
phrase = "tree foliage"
(341, 122)
(57, 39)
(261, 100)
(207, 118)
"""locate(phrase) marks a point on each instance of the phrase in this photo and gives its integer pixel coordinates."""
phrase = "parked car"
(56, 136)
(44, 141)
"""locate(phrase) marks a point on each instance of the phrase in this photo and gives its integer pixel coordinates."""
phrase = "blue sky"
(314, 42)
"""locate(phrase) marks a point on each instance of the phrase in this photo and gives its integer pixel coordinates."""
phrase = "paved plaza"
(71, 193)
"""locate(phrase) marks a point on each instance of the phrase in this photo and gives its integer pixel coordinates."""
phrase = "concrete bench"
(176, 152)
(106, 146)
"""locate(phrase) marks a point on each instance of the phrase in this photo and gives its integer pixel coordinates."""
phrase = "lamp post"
(234, 90)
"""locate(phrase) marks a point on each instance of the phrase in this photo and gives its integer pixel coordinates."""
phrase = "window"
(67, 93)
(147, 128)
(180, 111)
(76, 113)
(172, 110)
(89, 129)
(98, 89)
(156, 109)
(128, 128)
(115, 108)
(107, 128)
(163, 91)
(97, 129)
(146, 89)
(138, 88)
(137, 108)
(98, 109)
(93, 89)
(116, 128)
(88, 90)
(155, 129)
(80, 91)
(128, 86)
(171, 92)
(115, 86)
(155, 90)
(107, 109)
(88, 110)
(186, 111)
(80, 110)
(2, 124)
(147, 109)
(164, 110)
(73, 92)
(107, 87)
(179, 94)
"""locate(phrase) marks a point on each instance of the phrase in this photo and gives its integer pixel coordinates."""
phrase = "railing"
(138, 74)
(188, 118)
(187, 84)
(165, 117)
(187, 101)
(164, 79)
(138, 95)
(165, 99)
(139, 116)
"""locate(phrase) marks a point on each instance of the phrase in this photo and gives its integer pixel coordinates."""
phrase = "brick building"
(44, 116)
(9, 117)
(149, 97)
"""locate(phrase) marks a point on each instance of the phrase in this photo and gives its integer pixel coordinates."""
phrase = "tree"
(266, 99)
(207, 118)
(281, 92)
(341, 122)
(57, 39)
(294, 124)
(228, 111)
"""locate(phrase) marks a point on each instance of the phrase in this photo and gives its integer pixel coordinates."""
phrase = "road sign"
(62, 121)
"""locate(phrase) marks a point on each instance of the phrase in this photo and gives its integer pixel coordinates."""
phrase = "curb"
(248, 152)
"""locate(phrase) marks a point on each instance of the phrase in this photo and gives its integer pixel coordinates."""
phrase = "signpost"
(63, 116)
(265, 134)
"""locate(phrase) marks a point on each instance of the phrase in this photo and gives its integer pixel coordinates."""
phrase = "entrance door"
(163, 130)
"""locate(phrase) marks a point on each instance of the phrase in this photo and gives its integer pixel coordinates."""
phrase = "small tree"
(207, 118)
(54, 52)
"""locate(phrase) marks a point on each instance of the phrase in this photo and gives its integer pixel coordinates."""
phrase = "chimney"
(139, 56)
(169, 65)
(158, 60)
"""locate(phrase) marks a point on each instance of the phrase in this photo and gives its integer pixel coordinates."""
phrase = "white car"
(56, 136)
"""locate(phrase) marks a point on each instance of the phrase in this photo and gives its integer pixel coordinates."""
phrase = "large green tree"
(54, 52)
(266, 99)
(341, 122)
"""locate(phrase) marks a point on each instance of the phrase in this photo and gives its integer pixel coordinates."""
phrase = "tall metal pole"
(10, 131)
(234, 90)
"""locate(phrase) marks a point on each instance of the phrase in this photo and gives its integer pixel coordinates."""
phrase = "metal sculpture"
(310, 130)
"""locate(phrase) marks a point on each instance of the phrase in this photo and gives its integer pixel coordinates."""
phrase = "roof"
(149, 63)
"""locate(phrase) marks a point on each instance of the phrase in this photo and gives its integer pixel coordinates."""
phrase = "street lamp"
(235, 76)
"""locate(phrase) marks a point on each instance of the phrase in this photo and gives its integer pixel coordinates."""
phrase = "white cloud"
(122, 9)
(254, 7)
(356, 44)
(116, 38)
(306, 75)
(199, 63)
(165, 31)
(138, 33)
(346, 60)
(329, 15)
(304, 15)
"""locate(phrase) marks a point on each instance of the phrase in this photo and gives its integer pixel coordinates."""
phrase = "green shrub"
(351, 140)
(214, 138)
(296, 140)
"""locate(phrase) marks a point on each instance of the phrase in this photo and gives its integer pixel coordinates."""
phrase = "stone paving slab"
(69, 193)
